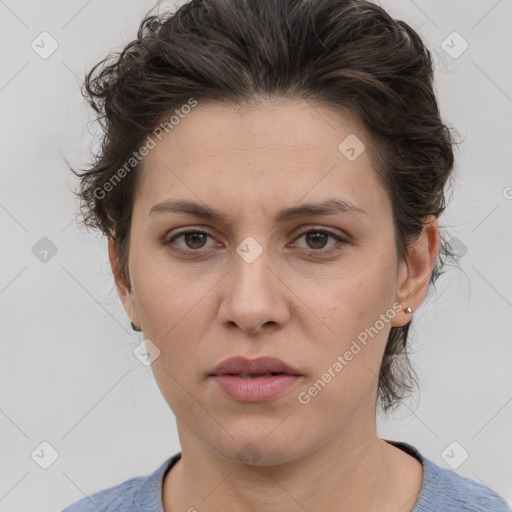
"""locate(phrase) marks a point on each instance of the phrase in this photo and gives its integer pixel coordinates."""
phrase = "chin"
(256, 448)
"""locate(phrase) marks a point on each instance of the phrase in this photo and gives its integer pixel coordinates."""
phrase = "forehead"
(218, 128)
(271, 152)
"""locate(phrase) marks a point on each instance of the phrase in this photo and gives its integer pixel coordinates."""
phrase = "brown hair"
(343, 54)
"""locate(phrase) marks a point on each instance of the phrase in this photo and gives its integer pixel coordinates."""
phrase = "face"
(306, 287)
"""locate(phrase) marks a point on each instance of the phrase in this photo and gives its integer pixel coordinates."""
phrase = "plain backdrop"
(69, 379)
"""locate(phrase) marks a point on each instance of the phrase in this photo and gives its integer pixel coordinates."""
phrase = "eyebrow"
(327, 207)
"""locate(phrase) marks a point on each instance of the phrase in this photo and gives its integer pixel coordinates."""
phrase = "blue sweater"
(443, 490)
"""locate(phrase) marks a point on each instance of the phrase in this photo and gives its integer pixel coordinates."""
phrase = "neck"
(362, 473)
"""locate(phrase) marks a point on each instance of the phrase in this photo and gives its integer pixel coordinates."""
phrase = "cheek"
(176, 316)
(178, 319)
(166, 295)
(355, 310)
(353, 302)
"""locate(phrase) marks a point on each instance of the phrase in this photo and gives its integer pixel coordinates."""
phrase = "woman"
(270, 183)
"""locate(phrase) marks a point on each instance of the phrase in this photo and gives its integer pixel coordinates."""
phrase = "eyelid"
(329, 231)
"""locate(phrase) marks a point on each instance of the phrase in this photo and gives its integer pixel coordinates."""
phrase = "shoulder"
(133, 495)
(445, 490)
(107, 500)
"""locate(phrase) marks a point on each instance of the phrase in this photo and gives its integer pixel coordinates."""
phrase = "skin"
(305, 309)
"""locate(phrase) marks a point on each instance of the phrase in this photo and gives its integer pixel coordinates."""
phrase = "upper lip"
(261, 365)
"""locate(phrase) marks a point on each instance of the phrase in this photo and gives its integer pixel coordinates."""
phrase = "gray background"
(68, 376)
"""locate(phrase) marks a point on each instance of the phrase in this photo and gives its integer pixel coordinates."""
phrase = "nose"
(254, 297)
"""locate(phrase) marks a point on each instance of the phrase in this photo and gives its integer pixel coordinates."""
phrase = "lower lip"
(259, 389)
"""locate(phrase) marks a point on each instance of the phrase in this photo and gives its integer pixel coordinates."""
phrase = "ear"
(414, 273)
(124, 289)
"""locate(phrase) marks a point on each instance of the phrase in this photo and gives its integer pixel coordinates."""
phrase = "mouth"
(257, 380)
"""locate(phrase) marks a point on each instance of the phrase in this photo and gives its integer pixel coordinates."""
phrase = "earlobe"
(415, 272)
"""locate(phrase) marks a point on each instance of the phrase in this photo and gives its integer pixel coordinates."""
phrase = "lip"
(260, 389)
(261, 365)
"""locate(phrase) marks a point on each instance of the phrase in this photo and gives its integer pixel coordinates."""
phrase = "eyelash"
(310, 252)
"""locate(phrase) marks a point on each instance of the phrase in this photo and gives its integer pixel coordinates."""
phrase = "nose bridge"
(251, 274)
(252, 298)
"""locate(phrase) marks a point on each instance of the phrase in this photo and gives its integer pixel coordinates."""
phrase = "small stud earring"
(408, 310)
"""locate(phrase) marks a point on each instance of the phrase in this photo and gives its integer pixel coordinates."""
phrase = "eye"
(318, 238)
(194, 241)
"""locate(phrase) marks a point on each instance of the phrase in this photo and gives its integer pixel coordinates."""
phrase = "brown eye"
(317, 239)
(193, 241)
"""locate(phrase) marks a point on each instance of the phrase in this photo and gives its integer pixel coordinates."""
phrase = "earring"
(135, 328)
(408, 310)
